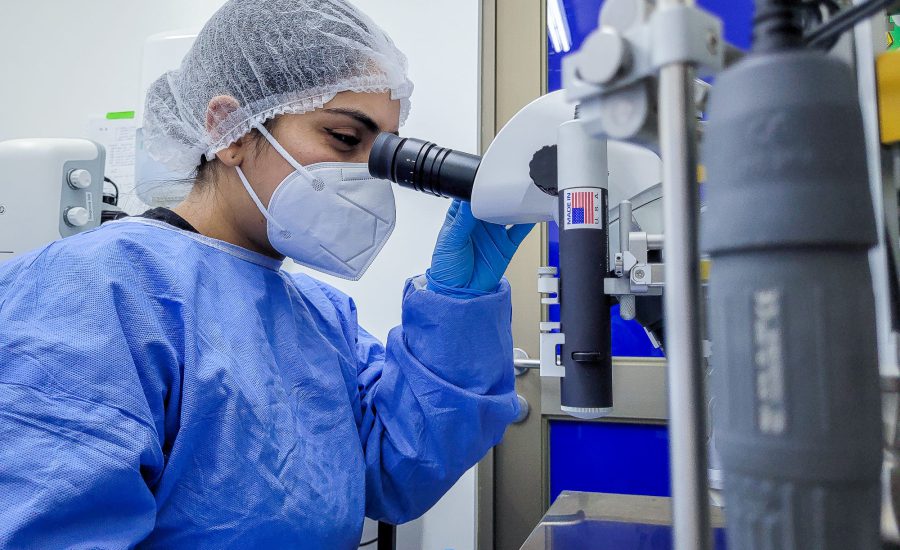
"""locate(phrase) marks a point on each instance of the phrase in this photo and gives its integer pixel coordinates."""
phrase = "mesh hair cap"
(273, 57)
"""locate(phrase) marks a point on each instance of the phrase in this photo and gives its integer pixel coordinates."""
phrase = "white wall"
(66, 61)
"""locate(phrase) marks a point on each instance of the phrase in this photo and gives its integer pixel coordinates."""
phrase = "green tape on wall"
(893, 33)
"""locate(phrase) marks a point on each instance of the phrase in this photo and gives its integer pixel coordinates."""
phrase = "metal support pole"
(627, 302)
(624, 225)
(687, 399)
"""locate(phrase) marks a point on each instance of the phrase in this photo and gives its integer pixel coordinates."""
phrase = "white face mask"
(332, 217)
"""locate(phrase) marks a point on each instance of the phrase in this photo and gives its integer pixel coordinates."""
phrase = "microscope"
(542, 166)
(789, 226)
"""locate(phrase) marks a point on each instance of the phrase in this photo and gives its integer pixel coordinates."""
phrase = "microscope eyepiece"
(423, 166)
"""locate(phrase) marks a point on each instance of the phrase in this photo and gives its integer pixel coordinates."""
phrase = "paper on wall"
(116, 132)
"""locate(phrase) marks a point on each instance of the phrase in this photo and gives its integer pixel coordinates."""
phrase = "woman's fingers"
(517, 233)
(464, 218)
(451, 212)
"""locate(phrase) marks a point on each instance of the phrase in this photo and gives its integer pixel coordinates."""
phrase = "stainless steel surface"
(639, 384)
(687, 405)
(574, 512)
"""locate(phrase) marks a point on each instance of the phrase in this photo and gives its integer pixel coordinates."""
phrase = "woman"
(164, 383)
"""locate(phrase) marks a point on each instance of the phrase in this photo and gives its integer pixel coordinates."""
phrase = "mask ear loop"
(293, 162)
(259, 203)
(287, 156)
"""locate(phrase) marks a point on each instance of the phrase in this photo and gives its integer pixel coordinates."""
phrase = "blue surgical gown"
(166, 390)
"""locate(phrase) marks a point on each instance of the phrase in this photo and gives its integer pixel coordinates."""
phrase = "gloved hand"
(471, 256)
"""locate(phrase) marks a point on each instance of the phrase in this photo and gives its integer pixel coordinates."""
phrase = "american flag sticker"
(582, 209)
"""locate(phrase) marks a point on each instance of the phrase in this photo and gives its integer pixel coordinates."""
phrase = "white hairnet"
(274, 57)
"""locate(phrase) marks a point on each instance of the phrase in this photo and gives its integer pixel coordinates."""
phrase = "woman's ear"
(218, 110)
(232, 155)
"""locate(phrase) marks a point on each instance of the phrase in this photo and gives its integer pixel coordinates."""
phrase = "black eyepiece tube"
(423, 166)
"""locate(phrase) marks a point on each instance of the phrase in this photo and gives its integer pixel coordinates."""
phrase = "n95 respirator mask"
(333, 217)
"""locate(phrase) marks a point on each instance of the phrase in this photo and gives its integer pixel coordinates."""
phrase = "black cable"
(845, 20)
(831, 5)
(368, 542)
(812, 17)
(116, 187)
(111, 215)
(810, 14)
(777, 26)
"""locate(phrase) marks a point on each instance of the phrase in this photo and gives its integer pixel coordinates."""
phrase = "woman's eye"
(349, 140)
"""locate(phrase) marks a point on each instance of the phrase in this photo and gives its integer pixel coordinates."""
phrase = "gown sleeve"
(435, 399)
(82, 394)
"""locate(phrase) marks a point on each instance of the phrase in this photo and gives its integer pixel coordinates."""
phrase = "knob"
(603, 56)
(80, 178)
(624, 14)
(77, 216)
(524, 409)
(627, 307)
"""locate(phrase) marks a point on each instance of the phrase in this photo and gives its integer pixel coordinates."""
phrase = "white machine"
(49, 189)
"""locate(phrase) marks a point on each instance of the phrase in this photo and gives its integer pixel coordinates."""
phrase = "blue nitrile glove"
(471, 256)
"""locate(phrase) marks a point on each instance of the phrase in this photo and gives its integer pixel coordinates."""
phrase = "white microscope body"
(503, 191)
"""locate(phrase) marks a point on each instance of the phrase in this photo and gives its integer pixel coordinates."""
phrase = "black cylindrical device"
(586, 387)
(423, 166)
(788, 226)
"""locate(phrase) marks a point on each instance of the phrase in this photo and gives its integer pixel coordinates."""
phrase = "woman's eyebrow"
(358, 116)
